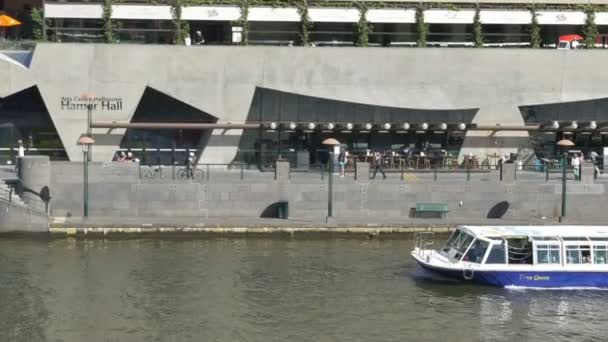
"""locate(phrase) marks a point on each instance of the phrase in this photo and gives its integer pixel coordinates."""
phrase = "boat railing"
(423, 243)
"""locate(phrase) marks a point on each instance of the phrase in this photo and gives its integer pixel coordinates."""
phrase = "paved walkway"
(153, 223)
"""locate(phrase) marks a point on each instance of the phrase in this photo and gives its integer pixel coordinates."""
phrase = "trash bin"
(283, 210)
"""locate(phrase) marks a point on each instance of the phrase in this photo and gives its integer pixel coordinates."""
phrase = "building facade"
(391, 23)
(369, 99)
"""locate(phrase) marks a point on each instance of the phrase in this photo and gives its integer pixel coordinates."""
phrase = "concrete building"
(505, 23)
(45, 94)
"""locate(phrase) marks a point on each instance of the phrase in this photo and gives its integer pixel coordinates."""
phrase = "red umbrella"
(570, 37)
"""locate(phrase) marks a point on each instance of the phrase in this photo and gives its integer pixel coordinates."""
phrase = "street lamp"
(85, 142)
(330, 142)
(564, 143)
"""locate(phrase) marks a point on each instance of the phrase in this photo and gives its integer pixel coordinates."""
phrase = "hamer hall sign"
(94, 103)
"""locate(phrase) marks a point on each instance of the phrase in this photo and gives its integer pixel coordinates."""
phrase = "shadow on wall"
(498, 210)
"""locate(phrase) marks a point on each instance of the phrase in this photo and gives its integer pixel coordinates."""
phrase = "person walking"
(378, 165)
(21, 150)
(576, 165)
(189, 164)
(342, 161)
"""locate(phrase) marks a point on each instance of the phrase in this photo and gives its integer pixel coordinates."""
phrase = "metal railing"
(199, 172)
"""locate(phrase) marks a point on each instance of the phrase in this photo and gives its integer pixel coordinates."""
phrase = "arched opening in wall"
(302, 145)
(24, 116)
(165, 146)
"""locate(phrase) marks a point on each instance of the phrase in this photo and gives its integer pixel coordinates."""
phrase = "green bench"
(431, 210)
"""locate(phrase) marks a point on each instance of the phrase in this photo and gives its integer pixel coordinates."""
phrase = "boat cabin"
(546, 245)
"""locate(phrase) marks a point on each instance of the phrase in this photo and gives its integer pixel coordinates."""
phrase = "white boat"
(523, 256)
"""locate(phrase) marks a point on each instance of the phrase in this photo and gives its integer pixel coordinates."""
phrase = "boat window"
(578, 254)
(497, 254)
(600, 254)
(519, 251)
(457, 245)
(547, 254)
(476, 252)
(453, 239)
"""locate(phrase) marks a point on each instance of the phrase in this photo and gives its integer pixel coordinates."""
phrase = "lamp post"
(85, 142)
(564, 143)
(330, 142)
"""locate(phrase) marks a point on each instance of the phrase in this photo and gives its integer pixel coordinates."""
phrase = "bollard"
(402, 173)
(546, 173)
(468, 172)
(242, 172)
(435, 173)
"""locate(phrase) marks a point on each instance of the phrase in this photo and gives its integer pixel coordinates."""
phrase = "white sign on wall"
(400, 16)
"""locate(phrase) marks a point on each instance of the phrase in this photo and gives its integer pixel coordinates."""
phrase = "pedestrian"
(122, 157)
(198, 38)
(189, 162)
(342, 161)
(129, 157)
(378, 165)
(576, 165)
(21, 150)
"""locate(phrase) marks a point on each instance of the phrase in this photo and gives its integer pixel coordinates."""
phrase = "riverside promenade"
(122, 199)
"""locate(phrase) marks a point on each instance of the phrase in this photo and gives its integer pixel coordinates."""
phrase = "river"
(266, 289)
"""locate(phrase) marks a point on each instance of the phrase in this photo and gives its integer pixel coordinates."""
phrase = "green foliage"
(37, 17)
(590, 30)
(108, 26)
(535, 38)
(477, 30)
(422, 28)
(363, 28)
(181, 29)
(305, 23)
(244, 21)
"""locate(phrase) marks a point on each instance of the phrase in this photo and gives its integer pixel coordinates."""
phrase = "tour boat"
(520, 256)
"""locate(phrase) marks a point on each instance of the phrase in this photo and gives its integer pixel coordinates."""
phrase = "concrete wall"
(117, 189)
(221, 81)
(18, 218)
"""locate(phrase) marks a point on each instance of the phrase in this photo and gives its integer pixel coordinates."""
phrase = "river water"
(266, 290)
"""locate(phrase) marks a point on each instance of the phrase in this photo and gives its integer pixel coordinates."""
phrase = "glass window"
(548, 254)
(476, 252)
(578, 254)
(497, 254)
(600, 254)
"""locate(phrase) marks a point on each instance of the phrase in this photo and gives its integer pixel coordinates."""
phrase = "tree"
(243, 22)
(305, 23)
(590, 30)
(108, 26)
(535, 38)
(364, 28)
(422, 28)
(37, 23)
(181, 29)
(477, 29)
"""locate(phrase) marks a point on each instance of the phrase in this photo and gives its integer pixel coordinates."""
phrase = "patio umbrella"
(7, 21)
(570, 37)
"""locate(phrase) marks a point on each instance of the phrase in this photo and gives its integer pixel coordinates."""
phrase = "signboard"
(96, 103)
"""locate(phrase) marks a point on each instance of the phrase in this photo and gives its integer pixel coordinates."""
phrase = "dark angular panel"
(158, 107)
(24, 116)
(587, 110)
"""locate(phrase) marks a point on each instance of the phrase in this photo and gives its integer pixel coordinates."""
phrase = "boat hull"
(529, 279)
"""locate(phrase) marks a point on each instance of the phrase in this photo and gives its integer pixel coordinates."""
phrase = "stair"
(5, 194)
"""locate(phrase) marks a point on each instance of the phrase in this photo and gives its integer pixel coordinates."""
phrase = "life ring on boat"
(468, 274)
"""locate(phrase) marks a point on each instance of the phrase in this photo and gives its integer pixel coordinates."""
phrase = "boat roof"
(538, 231)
